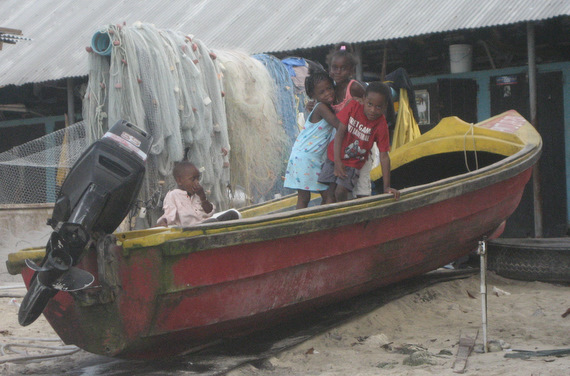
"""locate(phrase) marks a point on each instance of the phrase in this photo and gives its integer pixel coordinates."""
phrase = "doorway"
(511, 92)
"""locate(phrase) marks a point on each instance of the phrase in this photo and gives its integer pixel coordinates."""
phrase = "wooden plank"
(466, 344)
(6, 30)
(16, 107)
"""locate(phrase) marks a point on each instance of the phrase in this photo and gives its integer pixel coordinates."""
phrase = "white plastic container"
(460, 57)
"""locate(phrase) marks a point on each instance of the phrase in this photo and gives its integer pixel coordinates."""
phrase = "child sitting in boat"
(308, 152)
(347, 153)
(187, 205)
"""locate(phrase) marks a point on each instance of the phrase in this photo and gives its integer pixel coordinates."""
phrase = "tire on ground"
(532, 260)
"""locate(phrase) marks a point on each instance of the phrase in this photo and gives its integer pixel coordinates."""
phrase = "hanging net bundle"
(169, 85)
(258, 139)
(287, 110)
(222, 110)
(284, 94)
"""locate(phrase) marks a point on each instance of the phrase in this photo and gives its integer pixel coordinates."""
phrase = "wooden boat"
(165, 291)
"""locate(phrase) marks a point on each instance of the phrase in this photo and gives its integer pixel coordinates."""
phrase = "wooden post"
(70, 101)
(384, 62)
(537, 195)
(358, 55)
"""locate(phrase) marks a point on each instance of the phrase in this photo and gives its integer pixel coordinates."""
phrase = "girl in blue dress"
(309, 150)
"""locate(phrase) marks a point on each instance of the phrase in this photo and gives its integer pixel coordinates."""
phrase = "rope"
(19, 286)
(474, 148)
(9, 348)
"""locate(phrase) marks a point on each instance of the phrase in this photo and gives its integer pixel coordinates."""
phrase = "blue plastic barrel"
(101, 43)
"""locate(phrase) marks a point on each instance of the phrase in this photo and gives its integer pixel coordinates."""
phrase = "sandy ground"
(427, 323)
(521, 315)
(11, 243)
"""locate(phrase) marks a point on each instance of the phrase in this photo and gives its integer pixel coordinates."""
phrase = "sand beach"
(414, 334)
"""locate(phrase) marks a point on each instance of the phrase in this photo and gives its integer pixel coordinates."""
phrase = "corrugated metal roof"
(61, 29)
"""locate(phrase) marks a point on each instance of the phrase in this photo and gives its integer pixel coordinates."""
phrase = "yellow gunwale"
(453, 134)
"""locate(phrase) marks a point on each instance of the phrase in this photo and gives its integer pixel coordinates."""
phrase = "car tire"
(532, 259)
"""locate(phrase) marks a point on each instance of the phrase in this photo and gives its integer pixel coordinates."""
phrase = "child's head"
(342, 63)
(376, 100)
(320, 86)
(186, 175)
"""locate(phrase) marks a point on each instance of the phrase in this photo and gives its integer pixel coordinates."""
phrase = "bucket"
(101, 43)
(460, 57)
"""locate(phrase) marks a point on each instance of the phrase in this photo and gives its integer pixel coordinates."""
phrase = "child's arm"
(339, 170)
(324, 112)
(357, 91)
(169, 211)
(310, 105)
(343, 117)
(385, 164)
(207, 206)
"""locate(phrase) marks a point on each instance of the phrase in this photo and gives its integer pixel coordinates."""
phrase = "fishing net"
(259, 142)
(287, 110)
(169, 85)
(284, 94)
(298, 69)
(33, 172)
(224, 111)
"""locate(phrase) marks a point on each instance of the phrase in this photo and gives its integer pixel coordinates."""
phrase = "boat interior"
(435, 167)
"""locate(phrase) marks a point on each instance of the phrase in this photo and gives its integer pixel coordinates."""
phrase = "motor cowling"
(104, 182)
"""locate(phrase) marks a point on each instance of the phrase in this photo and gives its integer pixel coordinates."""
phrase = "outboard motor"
(95, 198)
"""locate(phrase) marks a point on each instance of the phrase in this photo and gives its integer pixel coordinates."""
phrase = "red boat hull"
(163, 300)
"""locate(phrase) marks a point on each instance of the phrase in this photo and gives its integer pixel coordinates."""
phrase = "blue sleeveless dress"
(307, 156)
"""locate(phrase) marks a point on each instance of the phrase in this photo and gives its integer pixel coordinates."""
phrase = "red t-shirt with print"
(360, 135)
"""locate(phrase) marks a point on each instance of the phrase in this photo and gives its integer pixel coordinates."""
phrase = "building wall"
(17, 132)
(484, 99)
(22, 226)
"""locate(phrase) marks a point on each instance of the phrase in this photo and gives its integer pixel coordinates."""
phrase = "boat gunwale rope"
(471, 129)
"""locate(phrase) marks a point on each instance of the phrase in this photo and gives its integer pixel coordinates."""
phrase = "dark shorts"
(327, 176)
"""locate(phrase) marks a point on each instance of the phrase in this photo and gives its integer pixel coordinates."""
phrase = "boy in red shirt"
(362, 125)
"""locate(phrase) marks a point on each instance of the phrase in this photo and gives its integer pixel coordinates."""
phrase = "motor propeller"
(57, 271)
(63, 251)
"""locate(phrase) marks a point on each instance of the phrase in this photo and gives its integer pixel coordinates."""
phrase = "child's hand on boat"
(393, 191)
